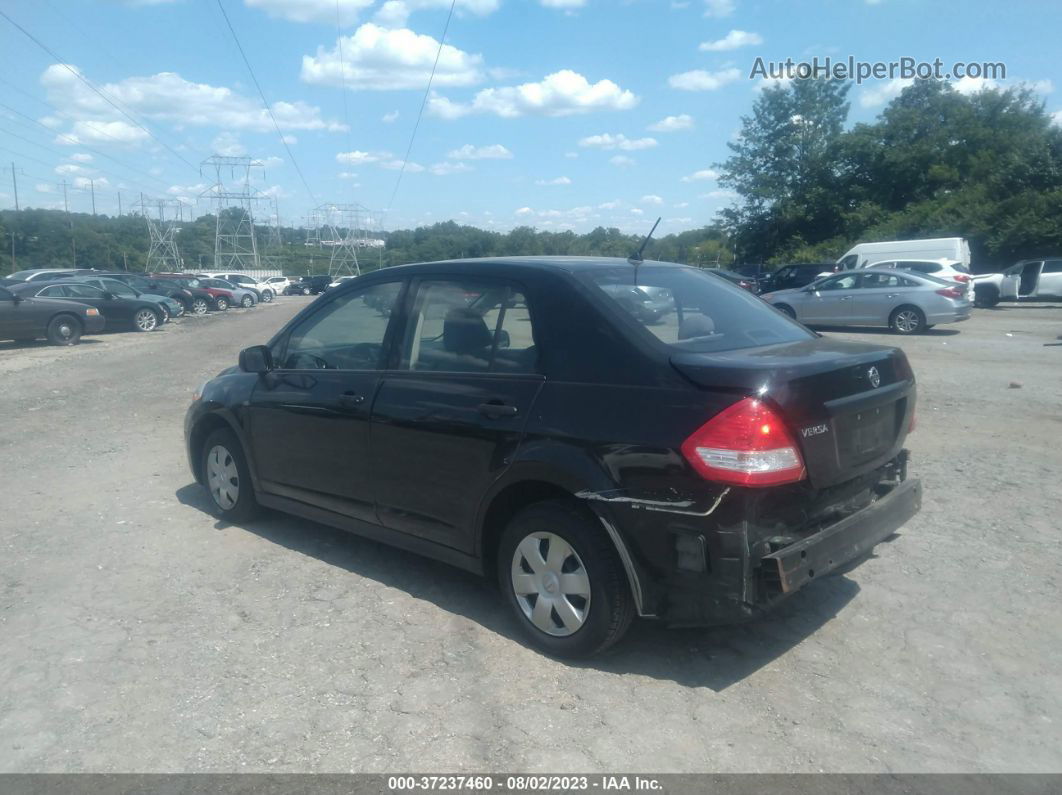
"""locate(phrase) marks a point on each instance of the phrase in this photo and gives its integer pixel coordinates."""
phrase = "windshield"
(691, 310)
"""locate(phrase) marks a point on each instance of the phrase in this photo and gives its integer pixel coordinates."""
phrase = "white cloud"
(651, 199)
(562, 93)
(228, 144)
(395, 13)
(383, 59)
(879, 95)
(322, 11)
(673, 123)
(81, 157)
(470, 152)
(67, 169)
(444, 168)
(348, 175)
(718, 8)
(701, 80)
(637, 211)
(564, 4)
(680, 205)
(44, 187)
(719, 193)
(524, 211)
(168, 97)
(612, 205)
(703, 174)
(621, 161)
(608, 141)
(395, 164)
(732, 41)
(380, 159)
(87, 183)
(389, 118)
(1056, 118)
(272, 161)
(972, 85)
(290, 140)
(556, 181)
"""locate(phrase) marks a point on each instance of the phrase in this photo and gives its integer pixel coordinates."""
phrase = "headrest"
(696, 326)
(465, 332)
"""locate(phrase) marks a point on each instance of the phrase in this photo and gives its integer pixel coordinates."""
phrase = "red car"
(220, 299)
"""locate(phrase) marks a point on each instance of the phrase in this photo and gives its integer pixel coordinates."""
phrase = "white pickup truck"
(1032, 278)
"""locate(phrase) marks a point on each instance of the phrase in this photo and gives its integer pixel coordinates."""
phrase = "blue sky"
(560, 114)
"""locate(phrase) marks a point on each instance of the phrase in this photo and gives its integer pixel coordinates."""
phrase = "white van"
(863, 255)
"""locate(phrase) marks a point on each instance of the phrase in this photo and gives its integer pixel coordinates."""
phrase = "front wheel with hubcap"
(247, 302)
(227, 477)
(305, 290)
(564, 580)
(200, 306)
(222, 304)
(907, 320)
(267, 296)
(64, 330)
(145, 320)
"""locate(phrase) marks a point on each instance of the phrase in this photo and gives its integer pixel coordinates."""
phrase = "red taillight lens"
(961, 277)
(951, 292)
(746, 444)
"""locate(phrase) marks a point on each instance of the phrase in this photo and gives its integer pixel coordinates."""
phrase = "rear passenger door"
(878, 295)
(447, 423)
(1050, 279)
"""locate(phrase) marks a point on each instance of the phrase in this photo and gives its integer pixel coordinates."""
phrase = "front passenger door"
(308, 418)
(833, 303)
(447, 425)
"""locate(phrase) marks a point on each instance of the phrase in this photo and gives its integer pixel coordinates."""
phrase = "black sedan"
(165, 287)
(25, 318)
(134, 313)
(517, 418)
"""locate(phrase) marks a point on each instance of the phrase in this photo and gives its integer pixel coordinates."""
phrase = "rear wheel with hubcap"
(305, 290)
(564, 580)
(267, 296)
(227, 477)
(907, 320)
(64, 330)
(222, 304)
(200, 306)
(247, 302)
(785, 309)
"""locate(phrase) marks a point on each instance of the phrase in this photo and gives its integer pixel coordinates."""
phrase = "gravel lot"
(139, 634)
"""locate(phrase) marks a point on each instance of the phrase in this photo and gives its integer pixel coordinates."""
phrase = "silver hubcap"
(199, 307)
(65, 331)
(551, 584)
(246, 301)
(146, 320)
(907, 321)
(222, 477)
(267, 297)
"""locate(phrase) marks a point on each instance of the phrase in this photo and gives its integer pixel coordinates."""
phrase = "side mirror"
(256, 359)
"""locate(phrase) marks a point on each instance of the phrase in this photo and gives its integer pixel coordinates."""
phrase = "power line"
(265, 102)
(424, 102)
(102, 94)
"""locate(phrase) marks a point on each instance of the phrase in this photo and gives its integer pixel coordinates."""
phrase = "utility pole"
(92, 189)
(119, 204)
(66, 205)
(125, 262)
(14, 182)
(14, 265)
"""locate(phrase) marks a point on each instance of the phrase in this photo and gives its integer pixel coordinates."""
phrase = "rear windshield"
(691, 310)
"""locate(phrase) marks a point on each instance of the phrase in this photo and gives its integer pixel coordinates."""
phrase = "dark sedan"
(185, 297)
(134, 313)
(523, 419)
(25, 318)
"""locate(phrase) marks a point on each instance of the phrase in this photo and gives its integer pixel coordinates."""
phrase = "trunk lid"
(844, 422)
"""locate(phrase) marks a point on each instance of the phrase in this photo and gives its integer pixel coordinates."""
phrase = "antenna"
(636, 257)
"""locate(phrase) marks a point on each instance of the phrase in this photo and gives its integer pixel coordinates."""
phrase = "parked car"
(789, 277)
(519, 418)
(1028, 279)
(36, 274)
(338, 281)
(865, 255)
(25, 318)
(241, 296)
(263, 291)
(744, 282)
(309, 285)
(185, 297)
(278, 284)
(213, 297)
(170, 306)
(132, 313)
(908, 303)
(948, 270)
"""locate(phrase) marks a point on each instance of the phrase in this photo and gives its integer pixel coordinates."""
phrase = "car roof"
(532, 263)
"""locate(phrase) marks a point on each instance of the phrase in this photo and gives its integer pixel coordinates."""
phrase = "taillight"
(961, 277)
(951, 292)
(746, 444)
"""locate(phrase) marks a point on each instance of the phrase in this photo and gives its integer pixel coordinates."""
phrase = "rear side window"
(1052, 266)
(82, 291)
(469, 326)
(884, 280)
(691, 310)
(920, 267)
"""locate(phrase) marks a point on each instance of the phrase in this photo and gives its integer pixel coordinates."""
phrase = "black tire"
(305, 290)
(907, 320)
(607, 612)
(786, 309)
(200, 306)
(146, 320)
(64, 330)
(267, 296)
(986, 295)
(235, 501)
(222, 304)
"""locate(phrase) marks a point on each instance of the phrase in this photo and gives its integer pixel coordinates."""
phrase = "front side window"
(346, 334)
(840, 283)
(692, 310)
(469, 326)
(81, 291)
(118, 288)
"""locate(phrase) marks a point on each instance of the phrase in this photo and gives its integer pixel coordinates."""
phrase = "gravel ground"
(137, 633)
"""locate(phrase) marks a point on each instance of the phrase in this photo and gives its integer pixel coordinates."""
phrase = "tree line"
(934, 163)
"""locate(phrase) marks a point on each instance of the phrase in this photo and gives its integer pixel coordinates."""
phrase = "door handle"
(891, 295)
(846, 298)
(349, 400)
(497, 410)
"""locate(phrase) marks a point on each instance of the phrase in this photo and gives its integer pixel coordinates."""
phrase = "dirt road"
(139, 634)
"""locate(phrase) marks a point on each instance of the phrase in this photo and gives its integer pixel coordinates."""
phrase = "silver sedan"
(908, 303)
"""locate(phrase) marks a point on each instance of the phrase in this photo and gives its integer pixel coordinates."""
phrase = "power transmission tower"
(274, 227)
(340, 227)
(163, 256)
(235, 246)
